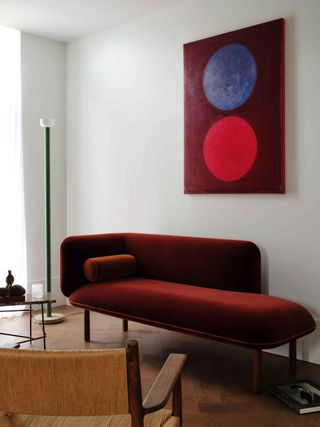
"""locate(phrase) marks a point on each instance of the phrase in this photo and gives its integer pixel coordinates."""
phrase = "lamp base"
(54, 318)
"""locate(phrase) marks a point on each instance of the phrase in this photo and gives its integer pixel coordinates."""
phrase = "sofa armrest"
(167, 382)
(75, 250)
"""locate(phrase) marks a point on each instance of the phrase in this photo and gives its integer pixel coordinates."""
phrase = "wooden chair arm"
(165, 383)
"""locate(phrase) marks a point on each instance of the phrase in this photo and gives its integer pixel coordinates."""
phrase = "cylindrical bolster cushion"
(109, 267)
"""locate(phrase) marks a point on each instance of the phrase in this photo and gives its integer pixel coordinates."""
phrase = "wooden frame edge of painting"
(234, 117)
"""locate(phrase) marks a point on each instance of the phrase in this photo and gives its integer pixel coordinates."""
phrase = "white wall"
(43, 95)
(125, 141)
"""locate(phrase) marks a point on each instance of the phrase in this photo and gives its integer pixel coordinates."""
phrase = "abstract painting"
(234, 111)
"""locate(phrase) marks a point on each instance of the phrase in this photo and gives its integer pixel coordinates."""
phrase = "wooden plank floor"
(216, 380)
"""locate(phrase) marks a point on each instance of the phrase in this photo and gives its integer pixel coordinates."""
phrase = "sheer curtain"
(12, 214)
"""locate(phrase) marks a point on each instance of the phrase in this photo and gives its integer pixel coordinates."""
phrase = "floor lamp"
(49, 316)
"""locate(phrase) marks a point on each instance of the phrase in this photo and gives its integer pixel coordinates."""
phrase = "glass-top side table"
(29, 301)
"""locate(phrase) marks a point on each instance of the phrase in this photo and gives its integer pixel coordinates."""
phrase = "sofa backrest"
(213, 263)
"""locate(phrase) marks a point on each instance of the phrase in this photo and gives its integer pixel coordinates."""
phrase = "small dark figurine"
(9, 279)
(11, 290)
(9, 282)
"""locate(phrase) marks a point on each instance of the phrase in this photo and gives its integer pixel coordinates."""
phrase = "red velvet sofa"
(205, 287)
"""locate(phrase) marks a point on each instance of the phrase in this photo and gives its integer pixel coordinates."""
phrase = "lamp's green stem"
(47, 219)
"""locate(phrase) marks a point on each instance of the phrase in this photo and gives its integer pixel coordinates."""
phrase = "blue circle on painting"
(230, 77)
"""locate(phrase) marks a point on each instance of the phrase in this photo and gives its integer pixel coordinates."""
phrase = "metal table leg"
(43, 328)
(30, 323)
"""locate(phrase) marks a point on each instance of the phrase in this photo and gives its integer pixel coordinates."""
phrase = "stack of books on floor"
(302, 395)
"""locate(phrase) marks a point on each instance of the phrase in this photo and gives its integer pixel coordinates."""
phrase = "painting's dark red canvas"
(234, 111)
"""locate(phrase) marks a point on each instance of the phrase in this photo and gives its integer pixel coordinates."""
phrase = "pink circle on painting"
(230, 148)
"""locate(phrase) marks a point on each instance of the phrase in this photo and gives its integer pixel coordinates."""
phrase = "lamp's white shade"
(47, 123)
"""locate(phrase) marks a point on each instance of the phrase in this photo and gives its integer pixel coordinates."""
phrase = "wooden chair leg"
(293, 357)
(177, 401)
(125, 325)
(87, 325)
(257, 371)
(134, 384)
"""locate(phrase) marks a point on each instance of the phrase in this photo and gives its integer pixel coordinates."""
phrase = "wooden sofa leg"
(87, 325)
(257, 371)
(293, 357)
(125, 325)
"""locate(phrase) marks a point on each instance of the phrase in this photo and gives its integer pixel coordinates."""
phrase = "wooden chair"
(94, 388)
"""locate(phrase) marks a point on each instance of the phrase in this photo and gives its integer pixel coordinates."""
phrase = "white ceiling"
(68, 19)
